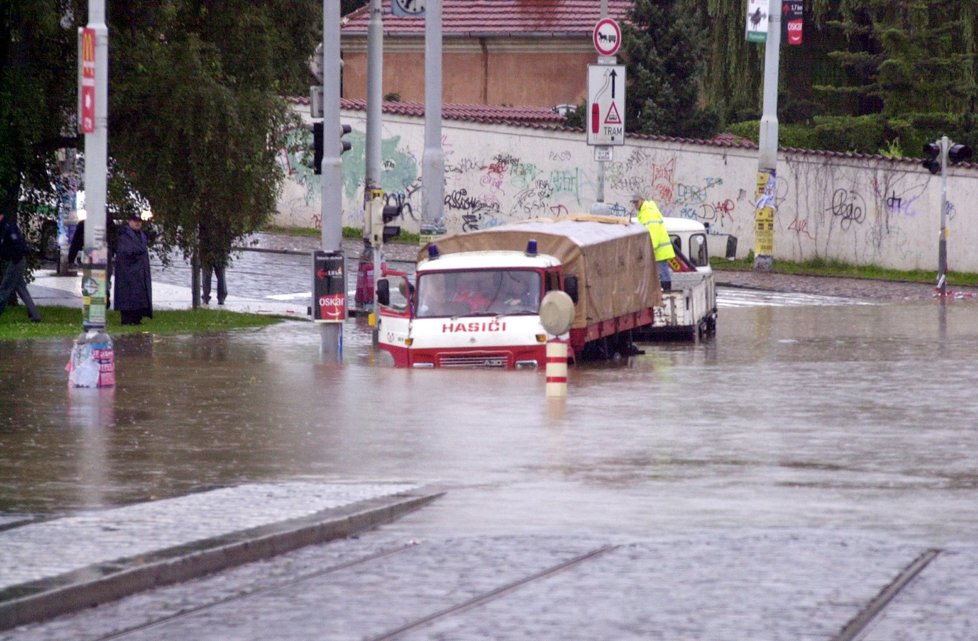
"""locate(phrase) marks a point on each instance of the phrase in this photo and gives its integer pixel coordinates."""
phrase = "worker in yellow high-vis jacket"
(650, 216)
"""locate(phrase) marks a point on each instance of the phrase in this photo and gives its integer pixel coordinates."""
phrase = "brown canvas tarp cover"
(611, 257)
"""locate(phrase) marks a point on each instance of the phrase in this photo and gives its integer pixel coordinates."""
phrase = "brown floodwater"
(823, 416)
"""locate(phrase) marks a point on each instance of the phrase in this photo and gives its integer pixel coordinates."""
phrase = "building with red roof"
(528, 53)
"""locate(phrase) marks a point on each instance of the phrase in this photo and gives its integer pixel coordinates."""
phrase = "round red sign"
(607, 37)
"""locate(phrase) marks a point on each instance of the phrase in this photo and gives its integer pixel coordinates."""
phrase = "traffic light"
(317, 147)
(956, 153)
(932, 151)
(391, 212)
(959, 153)
(345, 145)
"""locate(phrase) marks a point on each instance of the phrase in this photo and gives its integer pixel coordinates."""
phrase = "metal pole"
(96, 153)
(375, 97)
(433, 158)
(767, 160)
(600, 208)
(372, 193)
(942, 243)
(331, 334)
(93, 351)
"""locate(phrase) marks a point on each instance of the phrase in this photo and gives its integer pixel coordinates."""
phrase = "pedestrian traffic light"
(932, 151)
(391, 212)
(317, 147)
(345, 145)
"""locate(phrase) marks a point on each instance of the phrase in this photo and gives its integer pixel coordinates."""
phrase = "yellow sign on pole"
(764, 210)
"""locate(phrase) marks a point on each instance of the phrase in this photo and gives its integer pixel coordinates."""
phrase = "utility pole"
(373, 194)
(433, 158)
(767, 159)
(93, 350)
(331, 338)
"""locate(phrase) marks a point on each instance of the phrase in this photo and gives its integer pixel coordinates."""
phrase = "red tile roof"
(477, 113)
(467, 18)
(472, 113)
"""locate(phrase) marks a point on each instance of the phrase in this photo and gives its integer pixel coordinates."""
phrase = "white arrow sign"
(606, 105)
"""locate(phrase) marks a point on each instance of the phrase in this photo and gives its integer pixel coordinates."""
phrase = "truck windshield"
(483, 292)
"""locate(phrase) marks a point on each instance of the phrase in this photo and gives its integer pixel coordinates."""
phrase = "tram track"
(419, 622)
(283, 585)
(457, 590)
(492, 595)
(862, 621)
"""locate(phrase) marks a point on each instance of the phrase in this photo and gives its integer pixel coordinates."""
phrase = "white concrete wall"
(860, 210)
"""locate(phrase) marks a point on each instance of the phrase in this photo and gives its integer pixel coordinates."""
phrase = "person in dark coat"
(133, 281)
(77, 242)
(13, 254)
(214, 248)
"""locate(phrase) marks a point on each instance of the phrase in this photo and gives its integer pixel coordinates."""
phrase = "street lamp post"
(767, 158)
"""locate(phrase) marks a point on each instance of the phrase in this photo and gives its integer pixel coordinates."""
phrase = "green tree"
(198, 114)
(906, 56)
(729, 60)
(35, 94)
(348, 6)
(664, 46)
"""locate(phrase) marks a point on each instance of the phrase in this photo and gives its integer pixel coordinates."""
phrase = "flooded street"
(847, 417)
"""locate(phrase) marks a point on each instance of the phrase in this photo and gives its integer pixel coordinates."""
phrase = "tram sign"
(607, 37)
(606, 104)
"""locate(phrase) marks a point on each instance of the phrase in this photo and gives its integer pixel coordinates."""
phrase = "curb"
(183, 563)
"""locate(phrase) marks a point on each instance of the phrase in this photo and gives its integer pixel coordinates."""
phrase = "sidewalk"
(66, 564)
(48, 288)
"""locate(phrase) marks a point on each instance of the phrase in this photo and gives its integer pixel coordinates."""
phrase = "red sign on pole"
(86, 115)
(329, 287)
(792, 21)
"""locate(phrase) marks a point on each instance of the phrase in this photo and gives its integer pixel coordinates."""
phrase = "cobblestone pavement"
(61, 564)
(761, 586)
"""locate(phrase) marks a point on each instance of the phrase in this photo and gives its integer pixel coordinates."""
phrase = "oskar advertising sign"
(792, 12)
(329, 287)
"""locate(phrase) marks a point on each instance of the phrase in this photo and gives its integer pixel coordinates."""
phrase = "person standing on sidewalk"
(133, 281)
(650, 216)
(214, 249)
(13, 253)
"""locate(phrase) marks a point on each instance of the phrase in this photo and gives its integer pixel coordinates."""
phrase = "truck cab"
(472, 309)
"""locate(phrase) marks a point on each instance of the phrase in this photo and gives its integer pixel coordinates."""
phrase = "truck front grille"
(474, 360)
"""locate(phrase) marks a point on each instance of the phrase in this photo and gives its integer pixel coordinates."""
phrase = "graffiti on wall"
(857, 211)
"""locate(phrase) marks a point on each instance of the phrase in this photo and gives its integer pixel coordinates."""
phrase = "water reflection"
(836, 416)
